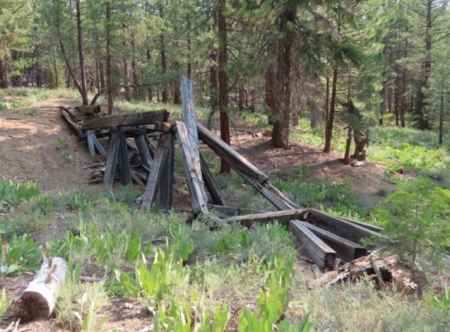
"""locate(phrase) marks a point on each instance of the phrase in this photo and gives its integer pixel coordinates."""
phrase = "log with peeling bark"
(38, 300)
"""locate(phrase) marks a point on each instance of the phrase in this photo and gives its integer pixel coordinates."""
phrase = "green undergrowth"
(192, 277)
(326, 194)
(17, 97)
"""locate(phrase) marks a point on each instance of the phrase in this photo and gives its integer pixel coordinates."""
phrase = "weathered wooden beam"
(234, 159)
(210, 183)
(272, 194)
(360, 223)
(344, 248)
(111, 162)
(342, 228)
(167, 180)
(144, 150)
(193, 171)
(125, 120)
(156, 171)
(74, 122)
(232, 211)
(322, 254)
(124, 160)
(279, 216)
(94, 144)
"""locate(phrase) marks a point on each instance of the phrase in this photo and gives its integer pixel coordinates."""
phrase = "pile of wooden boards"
(325, 237)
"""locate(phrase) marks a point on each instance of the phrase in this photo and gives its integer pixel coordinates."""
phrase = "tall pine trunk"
(3, 80)
(330, 121)
(81, 55)
(271, 81)
(223, 83)
(441, 115)
(280, 132)
(109, 59)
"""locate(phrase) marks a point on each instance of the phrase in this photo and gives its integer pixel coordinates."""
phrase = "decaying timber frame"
(324, 236)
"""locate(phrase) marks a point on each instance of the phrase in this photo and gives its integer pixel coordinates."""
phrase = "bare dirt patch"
(28, 148)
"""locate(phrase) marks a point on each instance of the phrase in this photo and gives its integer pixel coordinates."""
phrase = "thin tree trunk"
(213, 83)
(223, 83)
(271, 82)
(441, 115)
(177, 88)
(330, 120)
(80, 55)
(241, 98)
(253, 100)
(55, 67)
(149, 89)
(3, 80)
(109, 59)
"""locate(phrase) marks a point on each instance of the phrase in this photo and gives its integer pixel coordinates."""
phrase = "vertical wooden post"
(167, 180)
(156, 171)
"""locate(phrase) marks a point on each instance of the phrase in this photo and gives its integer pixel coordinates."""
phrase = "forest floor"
(29, 151)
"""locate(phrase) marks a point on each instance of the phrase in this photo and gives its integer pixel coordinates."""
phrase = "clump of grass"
(32, 111)
(78, 301)
(80, 201)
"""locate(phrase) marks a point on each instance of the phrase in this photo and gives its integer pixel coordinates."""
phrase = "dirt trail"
(28, 147)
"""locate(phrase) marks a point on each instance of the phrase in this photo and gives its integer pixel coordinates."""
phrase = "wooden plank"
(272, 194)
(234, 159)
(322, 254)
(137, 179)
(144, 150)
(124, 161)
(198, 196)
(167, 180)
(190, 116)
(125, 120)
(210, 183)
(360, 223)
(279, 216)
(341, 227)
(98, 145)
(345, 249)
(233, 211)
(156, 171)
(111, 162)
(90, 143)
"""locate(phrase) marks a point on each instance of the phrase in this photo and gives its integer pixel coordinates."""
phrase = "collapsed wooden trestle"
(326, 237)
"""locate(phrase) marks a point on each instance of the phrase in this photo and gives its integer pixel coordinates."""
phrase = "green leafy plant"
(87, 321)
(32, 111)
(67, 156)
(80, 201)
(21, 254)
(12, 193)
(154, 284)
(45, 203)
(273, 300)
(4, 302)
(62, 142)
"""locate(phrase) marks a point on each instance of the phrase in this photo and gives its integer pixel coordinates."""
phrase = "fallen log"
(279, 216)
(126, 120)
(322, 254)
(38, 300)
